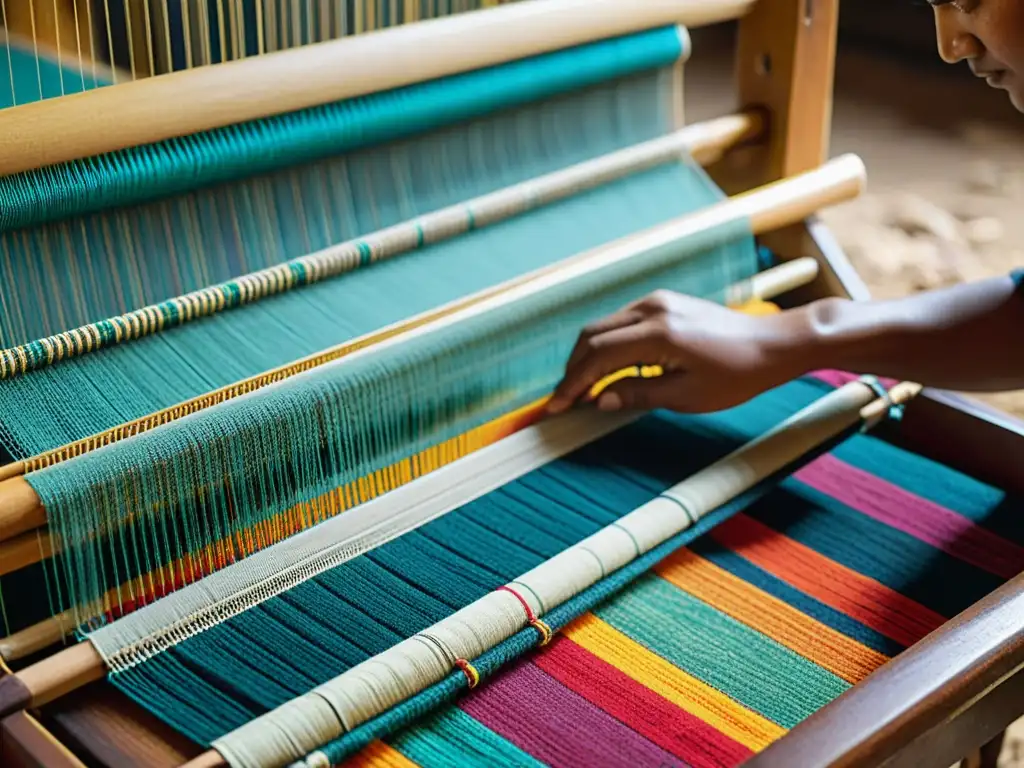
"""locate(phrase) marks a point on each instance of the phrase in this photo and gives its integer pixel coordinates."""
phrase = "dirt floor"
(945, 160)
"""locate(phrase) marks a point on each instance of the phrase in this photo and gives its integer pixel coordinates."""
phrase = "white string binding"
(287, 734)
(197, 607)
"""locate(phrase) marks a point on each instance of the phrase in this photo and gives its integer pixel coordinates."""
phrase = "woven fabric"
(709, 657)
(731, 641)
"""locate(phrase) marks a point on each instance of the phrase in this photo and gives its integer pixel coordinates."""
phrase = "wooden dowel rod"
(7, 471)
(790, 200)
(204, 98)
(36, 638)
(75, 667)
(705, 491)
(784, 278)
(20, 510)
(709, 139)
(764, 286)
(774, 206)
(29, 547)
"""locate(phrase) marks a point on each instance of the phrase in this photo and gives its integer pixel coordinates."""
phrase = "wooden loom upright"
(940, 701)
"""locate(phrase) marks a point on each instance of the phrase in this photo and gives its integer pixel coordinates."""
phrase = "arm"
(966, 338)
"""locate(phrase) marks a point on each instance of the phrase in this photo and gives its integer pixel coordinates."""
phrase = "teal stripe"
(453, 738)
(289, 444)
(925, 478)
(152, 171)
(740, 662)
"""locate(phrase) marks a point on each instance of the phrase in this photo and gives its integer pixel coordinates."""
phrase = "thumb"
(640, 394)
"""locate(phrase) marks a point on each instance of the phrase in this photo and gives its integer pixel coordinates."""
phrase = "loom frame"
(943, 699)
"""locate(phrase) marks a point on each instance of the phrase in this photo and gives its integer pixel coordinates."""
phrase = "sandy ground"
(945, 159)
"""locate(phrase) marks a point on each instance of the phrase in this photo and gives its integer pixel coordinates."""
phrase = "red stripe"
(859, 597)
(923, 519)
(676, 731)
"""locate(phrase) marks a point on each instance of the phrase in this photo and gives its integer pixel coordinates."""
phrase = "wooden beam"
(785, 64)
(24, 743)
(896, 716)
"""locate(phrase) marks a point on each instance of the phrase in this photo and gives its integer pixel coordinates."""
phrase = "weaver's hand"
(712, 357)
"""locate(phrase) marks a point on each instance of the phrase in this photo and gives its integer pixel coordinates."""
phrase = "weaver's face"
(989, 34)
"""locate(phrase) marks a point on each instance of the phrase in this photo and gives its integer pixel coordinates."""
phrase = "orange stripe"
(859, 597)
(377, 754)
(713, 707)
(770, 616)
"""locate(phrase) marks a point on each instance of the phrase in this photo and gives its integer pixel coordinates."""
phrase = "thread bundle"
(653, 679)
(649, 642)
(138, 519)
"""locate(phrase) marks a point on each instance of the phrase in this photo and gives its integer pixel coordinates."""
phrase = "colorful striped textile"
(733, 640)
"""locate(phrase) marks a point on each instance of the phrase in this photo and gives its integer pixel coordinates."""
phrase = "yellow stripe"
(377, 754)
(770, 616)
(684, 691)
(757, 307)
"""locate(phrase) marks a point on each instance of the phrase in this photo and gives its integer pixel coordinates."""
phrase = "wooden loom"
(943, 699)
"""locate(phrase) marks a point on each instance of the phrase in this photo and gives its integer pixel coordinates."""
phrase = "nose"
(955, 41)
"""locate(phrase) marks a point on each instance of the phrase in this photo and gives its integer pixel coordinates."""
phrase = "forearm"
(966, 338)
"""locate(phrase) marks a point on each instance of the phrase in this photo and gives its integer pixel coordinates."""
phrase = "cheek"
(1006, 35)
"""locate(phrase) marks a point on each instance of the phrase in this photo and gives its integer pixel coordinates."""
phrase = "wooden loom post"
(784, 65)
(785, 62)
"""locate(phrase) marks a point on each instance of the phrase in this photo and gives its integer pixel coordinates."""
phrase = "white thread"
(372, 687)
(197, 607)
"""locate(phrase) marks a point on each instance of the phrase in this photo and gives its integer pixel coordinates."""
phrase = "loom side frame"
(26, 743)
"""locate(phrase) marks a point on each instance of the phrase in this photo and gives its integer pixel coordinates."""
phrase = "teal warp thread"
(87, 268)
(364, 606)
(429, 701)
(73, 399)
(430, 744)
(149, 172)
(139, 504)
(368, 604)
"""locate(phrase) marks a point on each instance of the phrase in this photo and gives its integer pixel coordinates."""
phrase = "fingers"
(605, 354)
(634, 312)
(636, 394)
(625, 317)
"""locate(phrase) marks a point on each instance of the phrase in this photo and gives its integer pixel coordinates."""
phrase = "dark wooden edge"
(24, 743)
(967, 435)
(958, 736)
(949, 686)
(107, 728)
